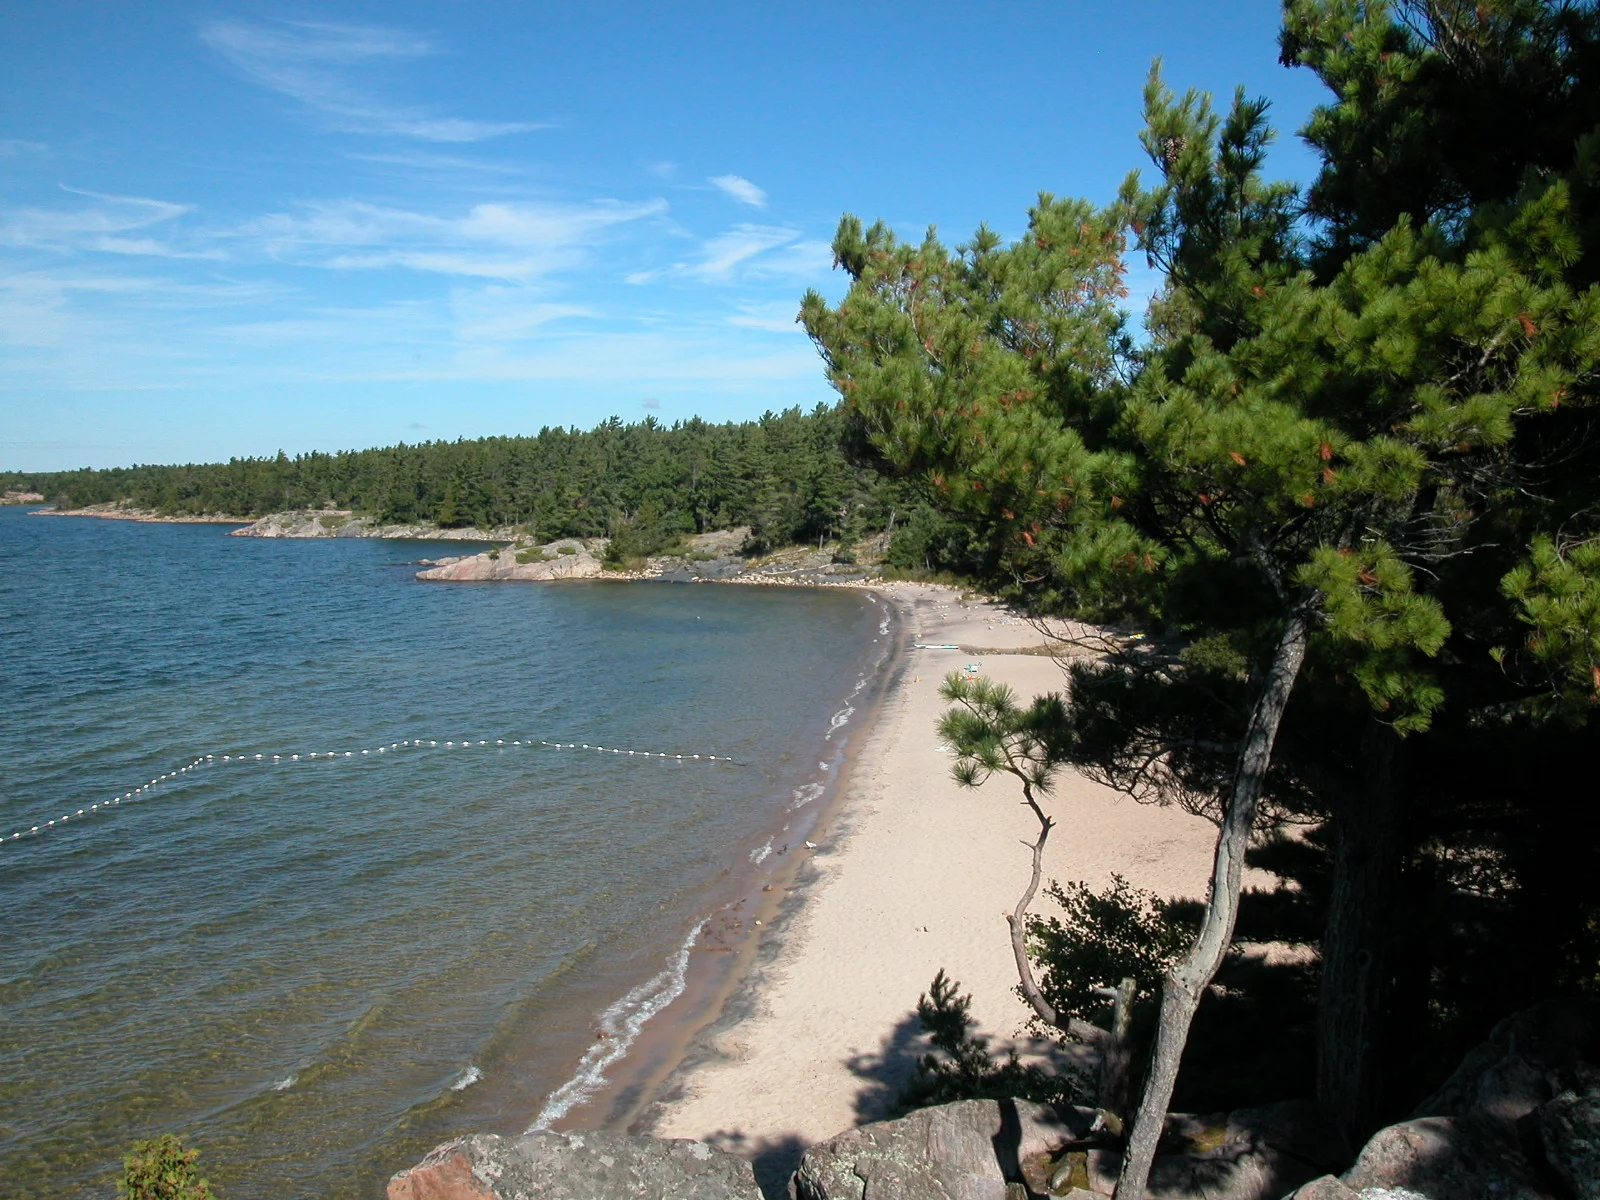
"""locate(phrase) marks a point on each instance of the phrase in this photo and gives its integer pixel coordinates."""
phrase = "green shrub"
(646, 534)
(963, 1068)
(1102, 938)
(162, 1169)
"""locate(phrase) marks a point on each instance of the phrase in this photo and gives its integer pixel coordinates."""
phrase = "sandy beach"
(912, 875)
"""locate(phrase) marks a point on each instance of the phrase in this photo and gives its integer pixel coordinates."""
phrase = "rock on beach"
(576, 1166)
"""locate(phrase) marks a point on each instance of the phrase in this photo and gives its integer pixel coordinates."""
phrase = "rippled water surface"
(315, 967)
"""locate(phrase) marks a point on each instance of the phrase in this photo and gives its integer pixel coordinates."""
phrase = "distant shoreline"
(293, 523)
(513, 555)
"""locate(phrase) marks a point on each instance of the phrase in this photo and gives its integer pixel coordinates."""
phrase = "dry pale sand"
(913, 875)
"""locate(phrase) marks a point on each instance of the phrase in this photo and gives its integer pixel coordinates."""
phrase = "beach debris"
(811, 845)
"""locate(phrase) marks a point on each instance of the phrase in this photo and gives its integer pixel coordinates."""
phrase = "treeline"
(786, 475)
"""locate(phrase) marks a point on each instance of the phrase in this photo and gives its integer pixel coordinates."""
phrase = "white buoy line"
(137, 794)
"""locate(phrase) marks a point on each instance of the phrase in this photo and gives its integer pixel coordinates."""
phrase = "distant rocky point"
(343, 523)
(714, 556)
(117, 510)
(21, 498)
(717, 555)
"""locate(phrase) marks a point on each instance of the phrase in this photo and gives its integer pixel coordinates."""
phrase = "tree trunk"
(1187, 981)
(1357, 977)
(1114, 1060)
(1017, 919)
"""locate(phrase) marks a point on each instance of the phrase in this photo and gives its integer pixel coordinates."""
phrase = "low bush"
(162, 1168)
(962, 1067)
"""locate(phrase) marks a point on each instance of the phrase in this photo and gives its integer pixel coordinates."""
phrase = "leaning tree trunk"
(1187, 981)
(1357, 970)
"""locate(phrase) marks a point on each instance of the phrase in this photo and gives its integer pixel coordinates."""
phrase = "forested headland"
(786, 475)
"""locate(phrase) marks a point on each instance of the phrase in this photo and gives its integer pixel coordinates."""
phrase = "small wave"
(619, 1026)
(840, 719)
(466, 1079)
(284, 1084)
(759, 856)
(805, 795)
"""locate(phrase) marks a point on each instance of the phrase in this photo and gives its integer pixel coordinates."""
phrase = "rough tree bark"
(1187, 980)
(1114, 1059)
(1354, 1003)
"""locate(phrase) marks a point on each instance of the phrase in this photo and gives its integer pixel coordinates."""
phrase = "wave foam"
(619, 1026)
(466, 1079)
(759, 856)
(284, 1084)
(806, 794)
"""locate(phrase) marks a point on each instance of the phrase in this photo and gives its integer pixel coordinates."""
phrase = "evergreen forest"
(786, 475)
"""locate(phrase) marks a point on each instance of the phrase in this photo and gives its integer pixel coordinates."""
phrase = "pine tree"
(1275, 489)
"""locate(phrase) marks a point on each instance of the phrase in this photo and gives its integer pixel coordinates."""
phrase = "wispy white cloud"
(102, 225)
(739, 245)
(114, 214)
(423, 160)
(745, 251)
(778, 316)
(502, 314)
(665, 357)
(316, 65)
(493, 241)
(14, 147)
(805, 260)
(741, 189)
(101, 327)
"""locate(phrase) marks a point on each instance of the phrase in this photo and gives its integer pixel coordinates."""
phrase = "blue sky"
(230, 229)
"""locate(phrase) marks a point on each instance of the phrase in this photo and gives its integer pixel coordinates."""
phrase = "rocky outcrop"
(997, 1149)
(1518, 1120)
(576, 1166)
(704, 557)
(972, 1149)
(332, 523)
(118, 510)
(566, 559)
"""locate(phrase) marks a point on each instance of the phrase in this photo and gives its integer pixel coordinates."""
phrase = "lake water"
(316, 967)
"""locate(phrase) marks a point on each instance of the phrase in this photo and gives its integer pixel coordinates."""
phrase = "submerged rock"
(576, 1166)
